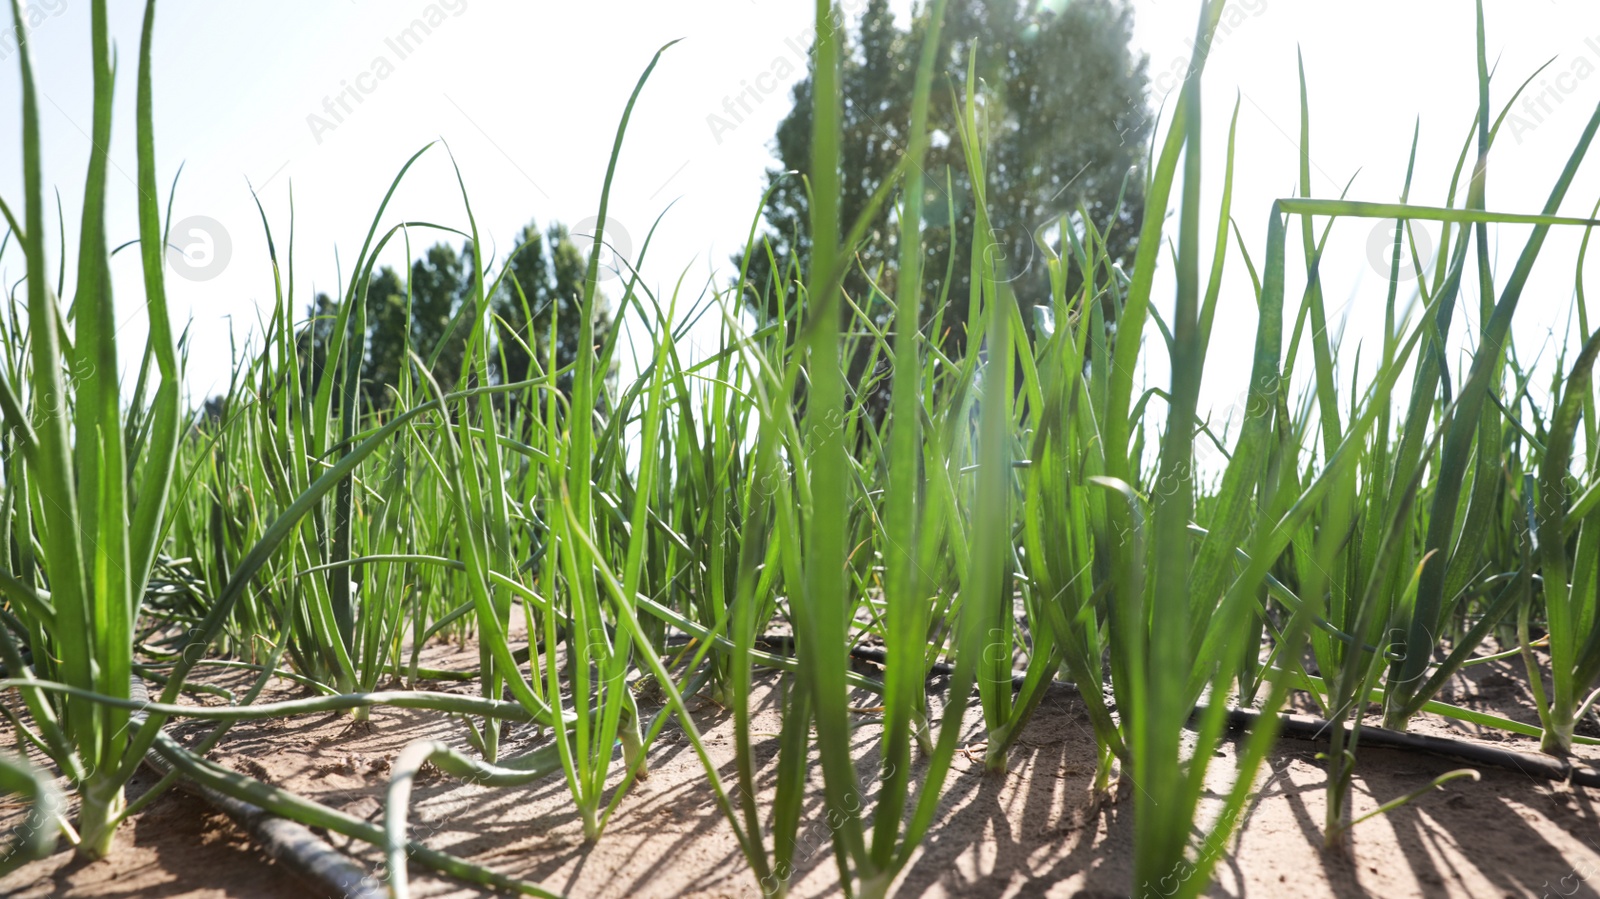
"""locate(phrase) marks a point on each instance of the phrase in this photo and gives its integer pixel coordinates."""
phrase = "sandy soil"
(1031, 832)
(179, 846)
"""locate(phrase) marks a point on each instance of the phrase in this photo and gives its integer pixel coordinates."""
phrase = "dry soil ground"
(1032, 832)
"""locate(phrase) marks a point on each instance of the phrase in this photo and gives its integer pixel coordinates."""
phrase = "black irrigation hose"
(302, 853)
(1304, 727)
(785, 643)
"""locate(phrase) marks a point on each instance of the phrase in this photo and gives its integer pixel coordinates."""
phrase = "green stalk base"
(591, 824)
(633, 753)
(1104, 771)
(98, 817)
(1557, 739)
(1395, 721)
(875, 887)
(994, 758)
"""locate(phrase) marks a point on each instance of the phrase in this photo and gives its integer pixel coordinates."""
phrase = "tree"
(546, 272)
(441, 282)
(314, 340)
(1064, 101)
(418, 322)
(545, 280)
(390, 335)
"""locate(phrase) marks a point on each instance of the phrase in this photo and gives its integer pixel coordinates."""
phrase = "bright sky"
(528, 94)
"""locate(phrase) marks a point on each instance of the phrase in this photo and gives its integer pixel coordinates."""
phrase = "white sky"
(528, 93)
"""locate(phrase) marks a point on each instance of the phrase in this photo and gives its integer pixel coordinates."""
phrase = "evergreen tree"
(312, 341)
(1064, 105)
(441, 282)
(388, 336)
(545, 279)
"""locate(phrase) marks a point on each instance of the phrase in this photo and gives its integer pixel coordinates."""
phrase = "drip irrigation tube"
(1304, 727)
(302, 853)
(878, 657)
